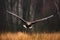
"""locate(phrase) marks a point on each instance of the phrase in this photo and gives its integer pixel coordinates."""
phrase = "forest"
(30, 10)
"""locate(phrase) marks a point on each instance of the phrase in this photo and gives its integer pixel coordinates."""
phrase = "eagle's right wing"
(42, 19)
(17, 16)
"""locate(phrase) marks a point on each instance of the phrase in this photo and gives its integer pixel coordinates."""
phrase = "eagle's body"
(29, 24)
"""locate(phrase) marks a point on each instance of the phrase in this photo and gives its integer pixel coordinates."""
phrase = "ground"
(33, 36)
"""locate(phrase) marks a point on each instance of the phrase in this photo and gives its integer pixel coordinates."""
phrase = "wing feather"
(17, 16)
(42, 19)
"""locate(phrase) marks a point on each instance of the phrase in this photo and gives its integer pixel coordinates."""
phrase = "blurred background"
(30, 10)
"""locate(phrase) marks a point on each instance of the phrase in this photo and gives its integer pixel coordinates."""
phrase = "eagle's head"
(28, 23)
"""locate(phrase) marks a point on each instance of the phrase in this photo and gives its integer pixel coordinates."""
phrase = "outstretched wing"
(17, 16)
(42, 19)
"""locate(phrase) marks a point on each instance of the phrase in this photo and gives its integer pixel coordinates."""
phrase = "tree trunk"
(2, 16)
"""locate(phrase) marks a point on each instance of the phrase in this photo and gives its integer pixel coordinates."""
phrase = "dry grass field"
(33, 36)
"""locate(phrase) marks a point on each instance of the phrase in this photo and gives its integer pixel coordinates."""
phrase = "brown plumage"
(29, 24)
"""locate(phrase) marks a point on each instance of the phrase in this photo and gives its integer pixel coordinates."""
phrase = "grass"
(33, 36)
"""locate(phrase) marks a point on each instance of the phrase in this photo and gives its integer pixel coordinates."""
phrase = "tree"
(2, 15)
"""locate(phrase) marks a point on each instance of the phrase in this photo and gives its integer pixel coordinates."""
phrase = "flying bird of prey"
(29, 24)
